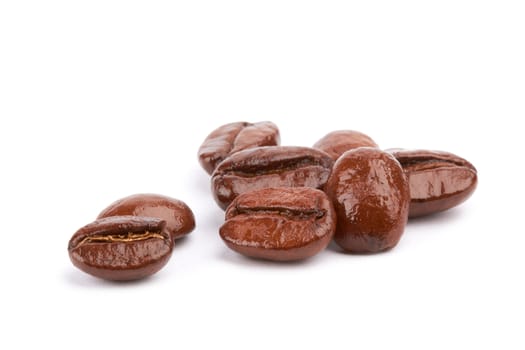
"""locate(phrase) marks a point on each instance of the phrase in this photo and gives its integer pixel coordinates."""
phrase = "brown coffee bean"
(235, 137)
(178, 216)
(438, 180)
(340, 141)
(281, 224)
(370, 195)
(121, 247)
(274, 166)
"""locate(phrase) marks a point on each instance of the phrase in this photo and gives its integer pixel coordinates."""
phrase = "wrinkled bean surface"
(235, 137)
(279, 223)
(438, 180)
(121, 247)
(263, 167)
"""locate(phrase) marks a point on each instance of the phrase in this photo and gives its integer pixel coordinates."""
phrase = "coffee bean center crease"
(129, 237)
(302, 214)
(262, 168)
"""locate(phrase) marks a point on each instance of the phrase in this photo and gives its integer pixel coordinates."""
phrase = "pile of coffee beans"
(282, 203)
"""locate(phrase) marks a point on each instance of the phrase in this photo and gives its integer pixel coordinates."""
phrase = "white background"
(103, 99)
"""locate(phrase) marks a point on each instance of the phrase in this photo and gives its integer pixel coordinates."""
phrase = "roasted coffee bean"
(274, 166)
(235, 137)
(121, 247)
(370, 195)
(438, 180)
(178, 216)
(338, 142)
(281, 224)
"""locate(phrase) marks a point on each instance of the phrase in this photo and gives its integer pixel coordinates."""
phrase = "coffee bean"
(273, 166)
(340, 141)
(438, 180)
(235, 137)
(178, 216)
(281, 224)
(121, 247)
(370, 195)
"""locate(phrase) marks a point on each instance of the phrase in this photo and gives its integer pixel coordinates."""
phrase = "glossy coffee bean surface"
(438, 180)
(338, 142)
(281, 224)
(178, 216)
(235, 137)
(274, 166)
(370, 195)
(121, 247)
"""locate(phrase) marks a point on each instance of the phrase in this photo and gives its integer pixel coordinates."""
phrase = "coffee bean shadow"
(334, 247)
(245, 261)
(83, 280)
(181, 242)
(435, 219)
